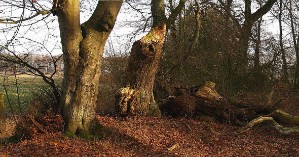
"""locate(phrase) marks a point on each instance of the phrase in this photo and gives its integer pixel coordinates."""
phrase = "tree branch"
(263, 10)
(158, 13)
(104, 16)
(277, 126)
(175, 13)
(228, 12)
(12, 21)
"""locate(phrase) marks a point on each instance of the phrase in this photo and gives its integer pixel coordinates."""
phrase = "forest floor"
(152, 136)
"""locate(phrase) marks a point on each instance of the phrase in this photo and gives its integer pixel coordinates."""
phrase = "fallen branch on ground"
(38, 125)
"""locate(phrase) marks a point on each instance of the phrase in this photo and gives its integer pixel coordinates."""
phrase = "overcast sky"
(43, 36)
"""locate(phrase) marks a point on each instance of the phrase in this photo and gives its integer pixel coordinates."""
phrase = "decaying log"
(273, 119)
(181, 106)
(208, 102)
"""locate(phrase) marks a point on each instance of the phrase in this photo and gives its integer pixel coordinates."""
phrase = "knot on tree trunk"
(106, 23)
(153, 41)
(148, 50)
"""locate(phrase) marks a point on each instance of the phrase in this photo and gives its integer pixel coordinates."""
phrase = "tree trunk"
(257, 46)
(297, 63)
(206, 101)
(285, 76)
(137, 98)
(70, 41)
(141, 71)
(295, 44)
(243, 48)
(245, 31)
(83, 46)
(2, 117)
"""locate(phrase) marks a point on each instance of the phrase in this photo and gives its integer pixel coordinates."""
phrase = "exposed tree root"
(285, 118)
(272, 119)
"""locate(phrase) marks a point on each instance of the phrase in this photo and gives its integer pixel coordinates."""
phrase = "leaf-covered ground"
(150, 136)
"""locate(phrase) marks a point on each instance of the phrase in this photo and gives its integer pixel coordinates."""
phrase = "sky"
(42, 37)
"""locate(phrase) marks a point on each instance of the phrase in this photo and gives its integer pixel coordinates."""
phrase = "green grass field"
(19, 96)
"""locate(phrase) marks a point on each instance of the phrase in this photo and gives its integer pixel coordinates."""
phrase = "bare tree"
(19, 21)
(285, 75)
(295, 40)
(22, 60)
(245, 27)
(83, 46)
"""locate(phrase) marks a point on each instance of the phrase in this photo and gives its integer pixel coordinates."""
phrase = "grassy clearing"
(20, 95)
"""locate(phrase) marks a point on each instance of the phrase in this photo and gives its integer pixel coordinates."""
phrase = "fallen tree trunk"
(207, 101)
(221, 110)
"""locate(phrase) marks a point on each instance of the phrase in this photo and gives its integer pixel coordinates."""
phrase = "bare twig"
(8, 99)
(188, 126)
(17, 88)
(173, 147)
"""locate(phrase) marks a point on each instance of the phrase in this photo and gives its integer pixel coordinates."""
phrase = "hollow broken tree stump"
(142, 67)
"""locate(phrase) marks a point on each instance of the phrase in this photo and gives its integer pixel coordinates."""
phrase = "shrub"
(41, 117)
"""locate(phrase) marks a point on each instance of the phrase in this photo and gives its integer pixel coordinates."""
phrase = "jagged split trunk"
(137, 98)
(83, 46)
(141, 71)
